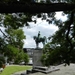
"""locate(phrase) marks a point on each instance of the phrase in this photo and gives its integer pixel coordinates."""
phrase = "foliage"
(11, 52)
(58, 50)
(2, 45)
(2, 61)
(63, 40)
(18, 58)
(15, 37)
(49, 55)
(21, 57)
(12, 43)
(15, 68)
(16, 20)
(26, 58)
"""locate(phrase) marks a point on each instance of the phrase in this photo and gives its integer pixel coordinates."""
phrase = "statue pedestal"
(37, 53)
(37, 65)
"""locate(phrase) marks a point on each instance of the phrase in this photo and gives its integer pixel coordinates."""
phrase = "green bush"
(2, 61)
(44, 60)
(1, 64)
(26, 58)
(22, 57)
(18, 58)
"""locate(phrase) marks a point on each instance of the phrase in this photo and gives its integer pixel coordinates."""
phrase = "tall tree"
(15, 37)
(65, 40)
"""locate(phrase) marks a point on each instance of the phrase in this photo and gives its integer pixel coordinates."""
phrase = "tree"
(2, 45)
(21, 57)
(2, 61)
(51, 54)
(26, 58)
(64, 37)
(14, 42)
(15, 37)
(11, 52)
(65, 40)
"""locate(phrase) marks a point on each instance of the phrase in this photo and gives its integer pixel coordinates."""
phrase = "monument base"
(45, 69)
(38, 66)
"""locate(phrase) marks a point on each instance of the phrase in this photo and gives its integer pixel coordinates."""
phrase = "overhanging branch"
(35, 7)
(68, 32)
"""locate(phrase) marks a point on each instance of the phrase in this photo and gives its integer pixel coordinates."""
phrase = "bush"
(44, 60)
(26, 58)
(22, 57)
(18, 58)
(1, 64)
(2, 61)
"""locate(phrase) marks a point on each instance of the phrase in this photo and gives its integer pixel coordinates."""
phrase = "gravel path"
(68, 70)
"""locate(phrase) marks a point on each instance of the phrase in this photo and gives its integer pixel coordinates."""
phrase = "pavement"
(64, 70)
(68, 70)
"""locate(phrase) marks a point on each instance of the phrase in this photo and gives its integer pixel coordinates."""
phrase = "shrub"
(2, 61)
(18, 58)
(22, 57)
(26, 58)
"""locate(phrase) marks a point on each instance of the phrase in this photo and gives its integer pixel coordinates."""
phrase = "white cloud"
(2, 29)
(59, 16)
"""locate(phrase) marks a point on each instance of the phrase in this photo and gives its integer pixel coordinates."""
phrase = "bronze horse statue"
(39, 39)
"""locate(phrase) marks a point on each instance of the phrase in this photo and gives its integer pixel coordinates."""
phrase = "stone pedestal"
(37, 53)
(37, 65)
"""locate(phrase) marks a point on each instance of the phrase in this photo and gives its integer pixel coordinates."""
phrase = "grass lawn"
(14, 68)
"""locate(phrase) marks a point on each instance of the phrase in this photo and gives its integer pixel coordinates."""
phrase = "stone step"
(40, 67)
(46, 71)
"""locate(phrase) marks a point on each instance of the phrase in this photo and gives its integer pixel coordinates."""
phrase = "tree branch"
(3, 33)
(35, 7)
(68, 32)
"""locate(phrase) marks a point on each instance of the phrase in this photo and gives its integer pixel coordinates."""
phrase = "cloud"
(2, 29)
(60, 16)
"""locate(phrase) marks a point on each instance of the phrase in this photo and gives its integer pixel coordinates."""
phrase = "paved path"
(19, 73)
(68, 70)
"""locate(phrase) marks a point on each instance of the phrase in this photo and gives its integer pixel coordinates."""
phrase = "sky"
(44, 28)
